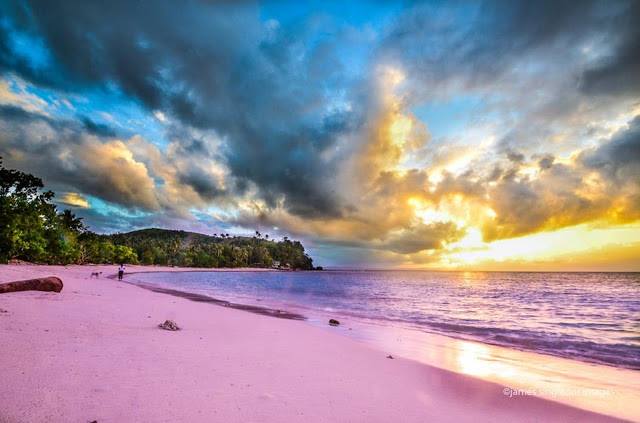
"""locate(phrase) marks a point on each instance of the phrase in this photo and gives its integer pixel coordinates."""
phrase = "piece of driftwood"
(51, 283)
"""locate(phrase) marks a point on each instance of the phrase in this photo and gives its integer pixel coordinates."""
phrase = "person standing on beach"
(120, 271)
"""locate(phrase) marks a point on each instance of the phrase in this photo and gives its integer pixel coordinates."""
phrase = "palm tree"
(71, 222)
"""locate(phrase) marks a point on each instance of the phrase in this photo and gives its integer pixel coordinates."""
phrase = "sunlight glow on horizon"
(579, 247)
(367, 133)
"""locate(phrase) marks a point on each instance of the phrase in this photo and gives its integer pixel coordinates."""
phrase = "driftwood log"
(51, 283)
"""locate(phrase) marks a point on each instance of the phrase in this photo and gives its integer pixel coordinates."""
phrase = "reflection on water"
(587, 316)
(598, 388)
(590, 317)
(475, 360)
(469, 278)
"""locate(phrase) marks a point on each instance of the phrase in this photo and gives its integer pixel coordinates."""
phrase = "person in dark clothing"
(120, 271)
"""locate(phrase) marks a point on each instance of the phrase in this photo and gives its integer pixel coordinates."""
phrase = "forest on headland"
(33, 229)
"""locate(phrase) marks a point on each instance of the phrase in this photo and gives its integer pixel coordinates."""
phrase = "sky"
(479, 135)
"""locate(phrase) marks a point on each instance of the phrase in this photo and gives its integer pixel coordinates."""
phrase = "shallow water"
(592, 317)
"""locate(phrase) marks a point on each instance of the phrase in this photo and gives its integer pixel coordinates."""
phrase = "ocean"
(592, 317)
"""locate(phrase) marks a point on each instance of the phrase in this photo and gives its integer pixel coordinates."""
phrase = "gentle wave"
(586, 316)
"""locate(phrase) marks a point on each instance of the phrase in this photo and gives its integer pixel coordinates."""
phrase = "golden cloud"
(486, 209)
(74, 199)
(113, 169)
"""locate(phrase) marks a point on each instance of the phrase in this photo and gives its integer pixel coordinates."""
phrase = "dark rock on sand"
(51, 283)
(334, 322)
(169, 325)
(390, 356)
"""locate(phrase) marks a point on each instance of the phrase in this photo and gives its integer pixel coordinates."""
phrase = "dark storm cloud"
(95, 128)
(619, 71)
(619, 157)
(481, 41)
(202, 182)
(265, 89)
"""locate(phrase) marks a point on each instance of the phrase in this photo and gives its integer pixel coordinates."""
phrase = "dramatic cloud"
(409, 136)
(482, 44)
(212, 66)
(620, 157)
(617, 72)
(423, 237)
(60, 152)
(618, 165)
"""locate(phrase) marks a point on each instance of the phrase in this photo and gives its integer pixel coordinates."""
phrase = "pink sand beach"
(94, 352)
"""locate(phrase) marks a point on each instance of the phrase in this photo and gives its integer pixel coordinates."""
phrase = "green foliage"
(180, 248)
(31, 229)
(124, 254)
(28, 219)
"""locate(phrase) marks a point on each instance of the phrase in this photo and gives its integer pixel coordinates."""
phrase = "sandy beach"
(94, 352)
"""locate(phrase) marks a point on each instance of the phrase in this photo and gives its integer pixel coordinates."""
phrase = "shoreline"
(301, 310)
(265, 311)
(93, 352)
(524, 371)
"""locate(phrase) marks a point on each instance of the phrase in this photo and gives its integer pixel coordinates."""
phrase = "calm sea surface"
(592, 317)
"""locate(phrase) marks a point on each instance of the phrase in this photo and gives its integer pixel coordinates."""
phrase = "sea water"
(592, 317)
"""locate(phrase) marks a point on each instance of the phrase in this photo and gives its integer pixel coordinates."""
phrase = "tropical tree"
(26, 215)
(32, 229)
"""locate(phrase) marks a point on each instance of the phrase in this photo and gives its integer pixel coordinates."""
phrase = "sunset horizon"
(350, 134)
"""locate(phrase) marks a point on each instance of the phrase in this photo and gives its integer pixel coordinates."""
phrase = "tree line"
(32, 229)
